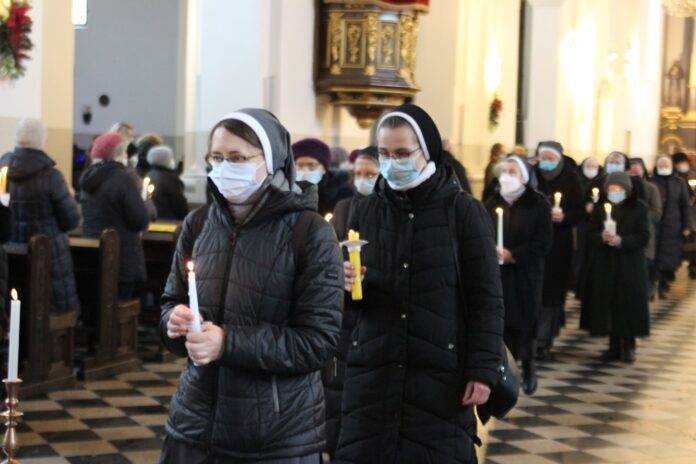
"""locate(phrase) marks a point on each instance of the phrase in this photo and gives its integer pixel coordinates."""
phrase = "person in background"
(5, 234)
(591, 174)
(269, 279)
(459, 170)
(675, 224)
(168, 196)
(427, 345)
(313, 162)
(557, 173)
(339, 156)
(497, 154)
(126, 131)
(651, 197)
(143, 145)
(41, 203)
(520, 151)
(683, 169)
(110, 198)
(527, 238)
(616, 294)
(364, 179)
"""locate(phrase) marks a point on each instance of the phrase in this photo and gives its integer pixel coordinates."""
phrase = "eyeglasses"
(398, 154)
(234, 159)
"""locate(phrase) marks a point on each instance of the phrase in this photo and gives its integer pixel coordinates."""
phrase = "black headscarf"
(642, 163)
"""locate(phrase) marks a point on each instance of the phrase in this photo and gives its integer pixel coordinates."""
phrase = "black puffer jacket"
(334, 187)
(5, 233)
(676, 216)
(263, 399)
(169, 193)
(413, 350)
(42, 204)
(111, 198)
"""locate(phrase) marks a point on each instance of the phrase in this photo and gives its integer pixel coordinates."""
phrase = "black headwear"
(642, 163)
(423, 126)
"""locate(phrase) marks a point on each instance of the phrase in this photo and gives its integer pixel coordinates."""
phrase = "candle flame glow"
(14, 295)
(607, 208)
(595, 191)
(692, 183)
(150, 189)
(189, 266)
(499, 210)
(146, 181)
(328, 217)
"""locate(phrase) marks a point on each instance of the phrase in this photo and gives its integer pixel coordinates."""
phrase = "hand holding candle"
(354, 244)
(499, 212)
(193, 298)
(13, 358)
(4, 195)
(557, 197)
(150, 190)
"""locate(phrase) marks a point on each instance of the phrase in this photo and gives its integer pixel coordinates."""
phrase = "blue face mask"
(400, 172)
(616, 197)
(546, 165)
(613, 167)
(365, 186)
(313, 177)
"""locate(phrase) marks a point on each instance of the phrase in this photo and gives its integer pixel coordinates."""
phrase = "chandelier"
(680, 8)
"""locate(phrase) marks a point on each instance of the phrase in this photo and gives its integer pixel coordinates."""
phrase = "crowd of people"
(288, 364)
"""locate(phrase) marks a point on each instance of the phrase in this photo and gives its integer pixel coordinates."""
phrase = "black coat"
(264, 398)
(614, 280)
(111, 198)
(415, 345)
(168, 196)
(459, 170)
(42, 204)
(5, 233)
(334, 186)
(676, 216)
(557, 271)
(528, 234)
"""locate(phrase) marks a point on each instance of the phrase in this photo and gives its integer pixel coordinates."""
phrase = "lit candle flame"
(692, 183)
(607, 208)
(150, 189)
(14, 295)
(146, 181)
(189, 266)
(328, 217)
(499, 210)
(595, 191)
(557, 196)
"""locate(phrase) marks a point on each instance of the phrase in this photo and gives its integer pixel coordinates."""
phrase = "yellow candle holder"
(354, 244)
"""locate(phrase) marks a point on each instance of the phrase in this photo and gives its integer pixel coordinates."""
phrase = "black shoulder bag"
(505, 392)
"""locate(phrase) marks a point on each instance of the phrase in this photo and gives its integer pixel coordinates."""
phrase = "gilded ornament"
(335, 39)
(354, 34)
(372, 42)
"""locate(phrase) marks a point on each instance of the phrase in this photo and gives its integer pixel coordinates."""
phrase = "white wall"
(128, 51)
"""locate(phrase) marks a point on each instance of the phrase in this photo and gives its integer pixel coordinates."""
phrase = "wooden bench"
(47, 340)
(114, 346)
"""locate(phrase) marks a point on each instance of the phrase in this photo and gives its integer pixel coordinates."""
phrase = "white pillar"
(542, 31)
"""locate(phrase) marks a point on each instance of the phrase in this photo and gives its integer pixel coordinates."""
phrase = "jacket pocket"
(274, 389)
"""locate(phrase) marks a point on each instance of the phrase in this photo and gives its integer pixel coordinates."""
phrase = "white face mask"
(590, 173)
(683, 168)
(307, 175)
(236, 182)
(124, 161)
(664, 171)
(133, 161)
(509, 184)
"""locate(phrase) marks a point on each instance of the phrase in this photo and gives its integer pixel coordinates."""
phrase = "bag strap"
(452, 223)
(300, 232)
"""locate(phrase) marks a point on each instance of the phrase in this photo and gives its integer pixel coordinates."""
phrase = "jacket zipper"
(276, 401)
(220, 317)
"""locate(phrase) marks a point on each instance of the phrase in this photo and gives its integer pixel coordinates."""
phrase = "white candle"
(13, 360)
(557, 197)
(595, 195)
(193, 298)
(609, 224)
(499, 211)
(146, 185)
(150, 190)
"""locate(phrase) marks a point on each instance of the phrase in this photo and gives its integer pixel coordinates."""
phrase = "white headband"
(260, 133)
(552, 150)
(522, 166)
(413, 124)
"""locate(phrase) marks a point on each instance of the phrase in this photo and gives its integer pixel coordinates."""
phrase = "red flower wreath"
(15, 42)
(494, 112)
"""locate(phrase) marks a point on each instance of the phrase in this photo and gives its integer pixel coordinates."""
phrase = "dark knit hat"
(680, 157)
(369, 152)
(313, 148)
(104, 145)
(160, 155)
(619, 178)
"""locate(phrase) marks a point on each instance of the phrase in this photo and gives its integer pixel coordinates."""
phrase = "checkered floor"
(584, 411)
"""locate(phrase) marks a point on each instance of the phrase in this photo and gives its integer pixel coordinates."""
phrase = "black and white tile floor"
(584, 411)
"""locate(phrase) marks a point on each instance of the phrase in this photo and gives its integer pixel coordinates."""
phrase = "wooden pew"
(114, 347)
(47, 340)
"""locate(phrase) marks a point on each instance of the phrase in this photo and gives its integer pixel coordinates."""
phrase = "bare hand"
(505, 256)
(180, 321)
(589, 208)
(206, 346)
(557, 216)
(686, 232)
(476, 393)
(349, 273)
(606, 236)
(615, 241)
